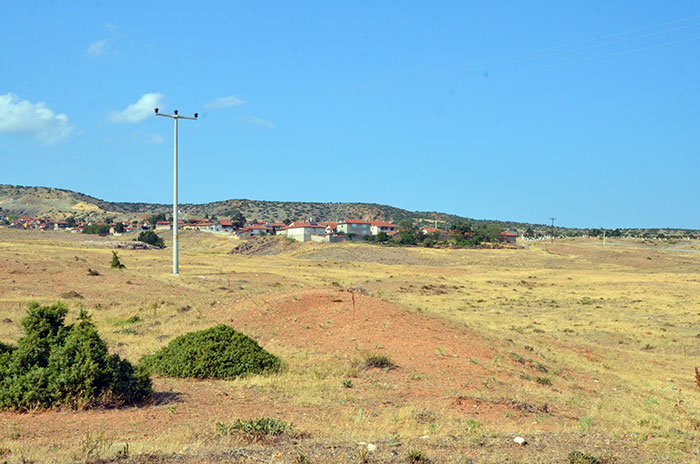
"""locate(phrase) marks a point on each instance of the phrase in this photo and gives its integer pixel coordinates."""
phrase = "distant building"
(442, 234)
(509, 237)
(354, 226)
(302, 231)
(380, 226)
(259, 229)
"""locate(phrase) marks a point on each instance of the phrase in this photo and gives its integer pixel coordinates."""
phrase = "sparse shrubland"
(216, 353)
(58, 364)
(255, 429)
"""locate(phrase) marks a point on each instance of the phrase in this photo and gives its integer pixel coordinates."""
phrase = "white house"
(302, 232)
(381, 226)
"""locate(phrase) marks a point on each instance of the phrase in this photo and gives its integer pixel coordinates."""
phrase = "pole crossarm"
(176, 116)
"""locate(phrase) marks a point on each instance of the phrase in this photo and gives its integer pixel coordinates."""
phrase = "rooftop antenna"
(175, 117)
(552, 218)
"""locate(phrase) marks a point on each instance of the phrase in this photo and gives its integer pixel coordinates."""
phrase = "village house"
(354, 226)
(277, 226)
(331, 227)
(259, 229)
(226, 225)
(508, 237)
(380, 226)
(442, 234)
(302, 231)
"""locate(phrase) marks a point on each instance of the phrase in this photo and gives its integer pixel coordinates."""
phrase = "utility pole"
(552, 218)
(175, 117)
(603, 236)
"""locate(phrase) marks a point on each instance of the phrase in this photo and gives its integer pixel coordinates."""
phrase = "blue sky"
(586, 111)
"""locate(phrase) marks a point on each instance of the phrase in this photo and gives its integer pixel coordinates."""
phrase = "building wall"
(351, 228)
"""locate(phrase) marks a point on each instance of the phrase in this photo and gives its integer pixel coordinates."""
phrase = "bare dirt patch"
(264, 246)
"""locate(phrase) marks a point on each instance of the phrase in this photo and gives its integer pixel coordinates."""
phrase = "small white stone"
(425, 437)
(371, 447)
(520, 441)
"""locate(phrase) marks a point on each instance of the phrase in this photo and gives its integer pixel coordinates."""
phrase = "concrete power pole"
(175, 116)
(552, 218)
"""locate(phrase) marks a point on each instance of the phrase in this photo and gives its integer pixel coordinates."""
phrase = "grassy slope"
(615, 329)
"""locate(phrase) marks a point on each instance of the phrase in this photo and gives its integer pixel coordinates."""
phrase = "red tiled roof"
(225, 222)
(383, 224)
(354, 221)
(430, 230)
(296, 225)
(278, 224)
(508, 234)
(258, 227)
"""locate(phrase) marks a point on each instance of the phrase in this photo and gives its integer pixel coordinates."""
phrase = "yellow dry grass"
(615, 328)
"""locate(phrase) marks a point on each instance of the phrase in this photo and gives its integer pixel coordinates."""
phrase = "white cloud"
(137, 111)
(98, 48)
(224, 102)
(23, 117)
(154, 138)
(258, 121)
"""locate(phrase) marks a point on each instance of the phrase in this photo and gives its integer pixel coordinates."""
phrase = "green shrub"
(255, 428)
(57, 364)
(151, 238)
(417, 456)
(4, 348)
(380, 361)
(116, 264)
(218, 353)
(577, 457)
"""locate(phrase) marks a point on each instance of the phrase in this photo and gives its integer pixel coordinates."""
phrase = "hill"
(53, 203)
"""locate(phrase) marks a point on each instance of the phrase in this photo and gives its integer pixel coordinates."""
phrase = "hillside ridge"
(55, 203)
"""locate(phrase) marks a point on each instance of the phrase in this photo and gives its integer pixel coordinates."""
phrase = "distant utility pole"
(175, 116)
(603, 236)
(552, 218)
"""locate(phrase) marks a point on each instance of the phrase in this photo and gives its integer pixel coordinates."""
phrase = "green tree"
(237, 219)
(150, 237)
(70, 221)
(101, 229)
(119, 228)
(116, 264)
(406, 224)
(153, 220)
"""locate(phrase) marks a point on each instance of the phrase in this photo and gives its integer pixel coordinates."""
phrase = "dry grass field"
(573, 346)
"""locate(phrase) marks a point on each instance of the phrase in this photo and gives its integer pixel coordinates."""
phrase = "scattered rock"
(7, 320)
(184, 309)
(520, 441)
(92, 272)
(371, 447)
(128, 282)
